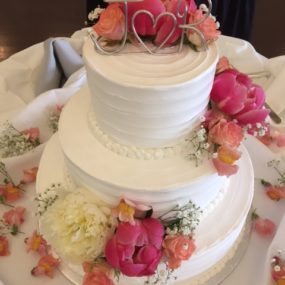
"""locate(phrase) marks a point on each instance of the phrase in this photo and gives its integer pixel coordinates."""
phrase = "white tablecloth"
(21, 103)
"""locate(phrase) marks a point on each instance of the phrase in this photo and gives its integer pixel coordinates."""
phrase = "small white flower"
(215, 155)
(258, 125)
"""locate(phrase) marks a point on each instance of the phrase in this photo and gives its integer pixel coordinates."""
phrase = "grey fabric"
(60, 61)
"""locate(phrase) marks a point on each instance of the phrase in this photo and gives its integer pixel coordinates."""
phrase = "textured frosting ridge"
(150, 100)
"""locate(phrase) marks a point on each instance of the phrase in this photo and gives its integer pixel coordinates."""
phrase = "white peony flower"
(77, 226)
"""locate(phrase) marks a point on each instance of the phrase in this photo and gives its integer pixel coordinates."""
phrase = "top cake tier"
(146, 100)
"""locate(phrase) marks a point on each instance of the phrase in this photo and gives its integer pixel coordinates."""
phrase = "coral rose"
(228, 155)
(208, 28)
(136, 249)
(111, 24)
(177, 248)
(10, 193)
(225, 133)
(275, 192)
(96, 277)
(143, 22)
(46, 266)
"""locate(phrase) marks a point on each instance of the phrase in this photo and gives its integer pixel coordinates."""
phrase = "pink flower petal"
(253, 116)
(128, 234)
(154, 230)
(223, 168)
(280, 140)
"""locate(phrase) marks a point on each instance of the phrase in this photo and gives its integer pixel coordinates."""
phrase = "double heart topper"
(179, 23)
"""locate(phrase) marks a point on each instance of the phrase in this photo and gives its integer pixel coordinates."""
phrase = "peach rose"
(226, 133)
(208, 28)
(228, 155)
(111, 24)
(177, 248)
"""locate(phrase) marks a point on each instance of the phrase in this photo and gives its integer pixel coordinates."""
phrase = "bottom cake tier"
(217, 236)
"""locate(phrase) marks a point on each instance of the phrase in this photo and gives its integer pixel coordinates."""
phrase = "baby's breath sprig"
(54, 119)
(275, 164)
(183, 220)
(199, 144)
(162, 276)
(14, 142)
(3, 171)
(257, 130)
(47, 198)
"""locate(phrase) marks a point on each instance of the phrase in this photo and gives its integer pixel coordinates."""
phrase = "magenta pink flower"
(264, 227)
(223, 168)
(136, 249)
(15, 217)
(236, 96)
(166, 23)
(143, 23)
(225, 133)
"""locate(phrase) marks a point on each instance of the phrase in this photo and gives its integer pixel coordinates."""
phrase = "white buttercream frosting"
(150, 100)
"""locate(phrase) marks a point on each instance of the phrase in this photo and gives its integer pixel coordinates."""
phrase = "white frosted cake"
(126, 137)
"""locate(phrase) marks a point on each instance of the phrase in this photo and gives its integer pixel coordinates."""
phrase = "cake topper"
(169, 23)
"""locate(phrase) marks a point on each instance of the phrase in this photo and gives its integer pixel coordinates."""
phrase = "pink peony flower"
(208, 28)
(136, 249)
(111, 24)
(4, 246)
(177, 248)
(224, 169)
(32, 134)
(264, 227)
(165, 25)
(275, 193)
(143, 22)
(96, 277)
(46, 266)
(236, 96)
(37, 243)
(225, 133)
(30, 175)
(14, 217)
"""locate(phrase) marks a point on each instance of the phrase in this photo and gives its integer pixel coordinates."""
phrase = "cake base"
(217, 236)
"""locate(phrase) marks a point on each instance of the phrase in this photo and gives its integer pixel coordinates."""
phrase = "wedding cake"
(144, 198)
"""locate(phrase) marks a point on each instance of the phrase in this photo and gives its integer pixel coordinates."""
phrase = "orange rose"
(111, 24)
(177, 248)
(228, 155)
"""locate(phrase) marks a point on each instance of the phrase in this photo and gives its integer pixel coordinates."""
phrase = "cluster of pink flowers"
(138, 246)
(47, 262)
(111, 24)
(236, 104)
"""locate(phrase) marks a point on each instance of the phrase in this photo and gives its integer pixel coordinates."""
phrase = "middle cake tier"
(163, 182)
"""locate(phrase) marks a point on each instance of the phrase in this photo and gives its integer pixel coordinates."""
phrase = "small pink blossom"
(32, 134)
(15, 217)
(264, 227)
(37, 244)
(275, 193)
(46, 266)
(136, 249)
(224, 169)
(111, 24)
(227, 134)
(280, 140)
(4, 246)
(96, 277)
(30, 175)
(10, 193)
(208, 28)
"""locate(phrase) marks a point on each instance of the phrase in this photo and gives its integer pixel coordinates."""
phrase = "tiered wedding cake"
(129, 137)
